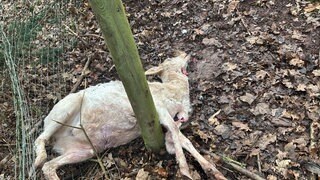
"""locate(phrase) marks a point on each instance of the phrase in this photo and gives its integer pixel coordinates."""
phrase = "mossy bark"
(118, 36)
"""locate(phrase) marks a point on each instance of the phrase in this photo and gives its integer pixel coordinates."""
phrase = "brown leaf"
(271, 177)
(142, 175)
(232, 6)
(265, 140)
(229, 66)
(296, 62)
(261, 108)
(211, 41)
(254, 152)
(248, 98)
(290, 115)
(203, 136)
(213, 120)
(261, 74)
(287, 83)
(298, 36)
(161, 172)
(281, 155)
(301, 87)
(222, 130)
(316, 72)
(283, 163)
(312, 7)
(241, 126)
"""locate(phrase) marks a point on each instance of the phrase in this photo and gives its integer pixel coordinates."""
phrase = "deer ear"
(154, 70)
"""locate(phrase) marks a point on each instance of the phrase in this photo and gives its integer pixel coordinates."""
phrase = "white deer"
(105, 114)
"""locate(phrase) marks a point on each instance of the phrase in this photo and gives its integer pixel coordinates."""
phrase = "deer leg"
(50, 128)
(173, 134)
(206, 165)
(76, 155)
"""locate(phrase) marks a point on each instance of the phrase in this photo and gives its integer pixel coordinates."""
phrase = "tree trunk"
(118, 36)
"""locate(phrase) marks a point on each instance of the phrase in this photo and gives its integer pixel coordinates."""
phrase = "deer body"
(105, 114)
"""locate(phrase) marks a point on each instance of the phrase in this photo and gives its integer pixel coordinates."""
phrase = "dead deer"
(105, 114)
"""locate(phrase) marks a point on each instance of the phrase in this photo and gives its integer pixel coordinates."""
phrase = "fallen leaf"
(241, 126)
(271, 177)
(290, 115)
(232, 6)
(313, 90)
(297, 35)
(287, 83)
(222, 130)
(316, 72)
(296, 62)
(203, 136)
(248, 98)
(265, 140)
(229, 66)
(312, 7)
(261, 108)
(142, 175)
(252, 39)
(283, 163)
(161, 172)
(211, 41)
(281, 155)
(261, 74)
(313, 112)
(213, 120)
(301, 87)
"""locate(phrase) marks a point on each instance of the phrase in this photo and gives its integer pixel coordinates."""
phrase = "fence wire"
(35, 37)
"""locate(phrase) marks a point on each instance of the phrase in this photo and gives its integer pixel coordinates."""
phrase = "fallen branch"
(83, 74)
(4, 160)
(75, 34)
(235, 165)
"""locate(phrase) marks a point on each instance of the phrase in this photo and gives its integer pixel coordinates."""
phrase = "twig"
(319, 59)
(7, 145)
(67, 125)
(235, 165)
(111, 68)
(83, 73)
(313, 141)
(245, 172)
(259, 163)
(94, 149)
(94, 35)
(75, 34)
(35, 127)
(243, 22)
(4, 160)
(85, 133)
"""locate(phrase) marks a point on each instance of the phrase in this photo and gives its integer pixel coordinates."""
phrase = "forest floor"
(254, 83)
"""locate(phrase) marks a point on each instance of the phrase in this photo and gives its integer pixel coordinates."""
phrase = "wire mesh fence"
(43, 51)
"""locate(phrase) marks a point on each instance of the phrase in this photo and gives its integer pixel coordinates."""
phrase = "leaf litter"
(254, 83)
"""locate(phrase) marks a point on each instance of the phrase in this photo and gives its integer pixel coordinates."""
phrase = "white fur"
(106, 115)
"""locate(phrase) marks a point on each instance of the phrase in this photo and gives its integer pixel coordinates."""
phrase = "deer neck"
(177, 80)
